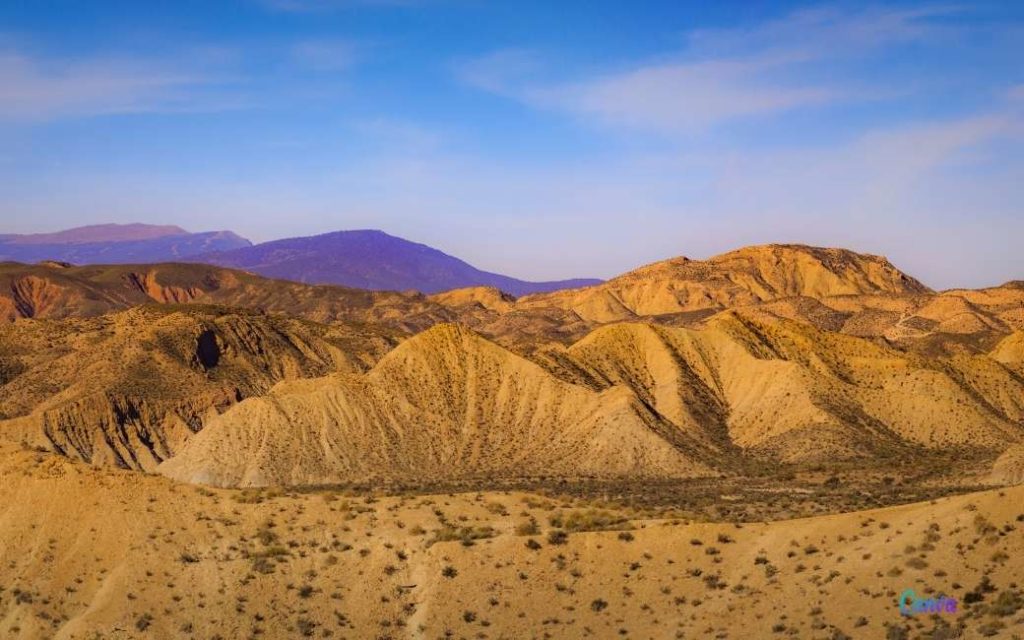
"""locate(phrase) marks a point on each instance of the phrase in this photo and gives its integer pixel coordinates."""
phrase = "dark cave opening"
(207, 350)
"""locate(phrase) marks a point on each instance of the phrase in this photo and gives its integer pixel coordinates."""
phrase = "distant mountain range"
(370, 259)
(365, 259)
(116, 244)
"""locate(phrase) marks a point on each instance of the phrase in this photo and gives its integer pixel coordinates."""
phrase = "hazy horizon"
(514, 275)
(538, 141)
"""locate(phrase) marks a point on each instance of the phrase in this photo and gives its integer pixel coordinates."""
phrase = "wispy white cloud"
(828, 31)
(721, 76)
(683, 98)
(507, 72)
(326, 55)
(934, 188)
(399, 135)
(35, 89)
(188, 79)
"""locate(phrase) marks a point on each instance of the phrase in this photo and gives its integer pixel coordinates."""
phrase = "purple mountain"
(371, 259)
(116, 244)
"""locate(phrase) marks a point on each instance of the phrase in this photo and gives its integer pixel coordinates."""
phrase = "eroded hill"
(56, 291)
(446, 404)
(129, 388)
(598, 463)
(766, 355)
(742, 277)
(628, 400)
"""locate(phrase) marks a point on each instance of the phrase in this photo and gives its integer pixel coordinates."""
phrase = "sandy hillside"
(1009, 467)
(634, 400)
(53, 290)
(132, 388)
(741, 277)
(600, 434)
(953, 319)
(444, 404)
(93, 553)
(833, 289)
(1010, 351)
(127, 389)
(792, 390)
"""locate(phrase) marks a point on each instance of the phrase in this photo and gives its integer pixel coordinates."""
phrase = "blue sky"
(539, 139)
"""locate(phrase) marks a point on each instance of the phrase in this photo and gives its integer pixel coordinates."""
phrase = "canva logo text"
(911, 605)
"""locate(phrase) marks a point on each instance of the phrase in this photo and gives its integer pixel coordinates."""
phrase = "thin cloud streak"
(326, 55)
(685, 98)
(210, 79)
(723, 76)
(828, 31)
(34, 90)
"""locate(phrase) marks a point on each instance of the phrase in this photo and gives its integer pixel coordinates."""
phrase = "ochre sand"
(94, 553)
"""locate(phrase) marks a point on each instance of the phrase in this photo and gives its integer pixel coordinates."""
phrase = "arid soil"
(93, 553)
(775, 442)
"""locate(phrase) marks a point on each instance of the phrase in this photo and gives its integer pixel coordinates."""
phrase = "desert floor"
(88, 553)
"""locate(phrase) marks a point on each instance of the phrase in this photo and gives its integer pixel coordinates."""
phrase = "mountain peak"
(97, 233)
(799, 269)
(371, 259)
(115, 244)
(749, 275)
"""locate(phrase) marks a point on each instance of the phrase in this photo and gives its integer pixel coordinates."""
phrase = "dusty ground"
(88, 553)
(776, 442)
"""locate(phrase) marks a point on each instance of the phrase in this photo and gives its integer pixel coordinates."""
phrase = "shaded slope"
(55, 291)
(128, 389)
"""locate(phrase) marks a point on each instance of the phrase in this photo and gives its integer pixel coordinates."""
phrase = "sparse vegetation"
(557, 537)
(537, 544)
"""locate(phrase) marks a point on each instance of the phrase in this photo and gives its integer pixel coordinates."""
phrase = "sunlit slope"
(742, 277)
(445, 404)
(788, 389)
(629, 399)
